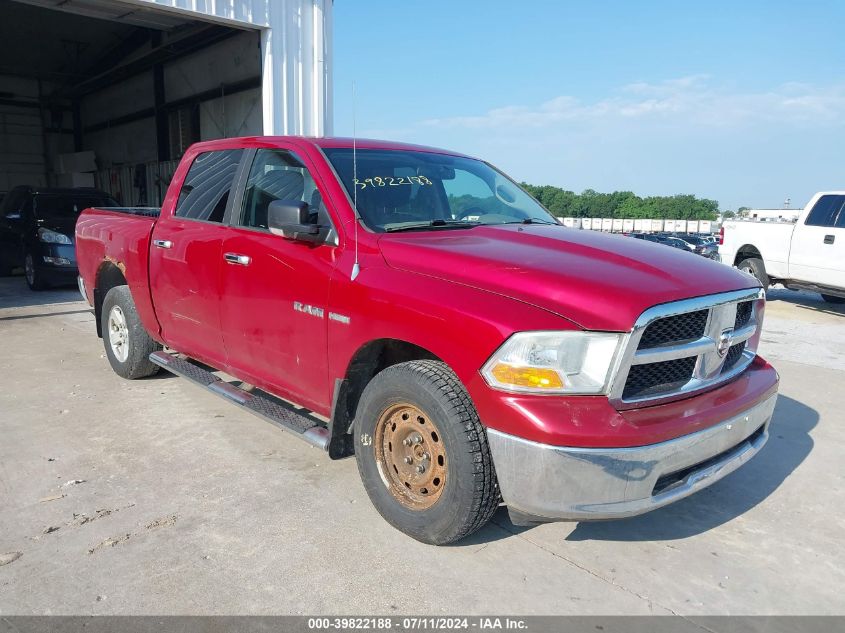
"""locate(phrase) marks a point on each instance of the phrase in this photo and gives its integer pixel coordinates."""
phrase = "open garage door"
(110, 94)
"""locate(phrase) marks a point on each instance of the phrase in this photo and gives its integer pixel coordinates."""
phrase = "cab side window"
(828, 211)
(279, 175)
(206, 189)
(13, 205)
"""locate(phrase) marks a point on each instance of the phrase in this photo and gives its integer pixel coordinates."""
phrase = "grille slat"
(645, 380)
(743, 314)
(733, 355)
(674, 329)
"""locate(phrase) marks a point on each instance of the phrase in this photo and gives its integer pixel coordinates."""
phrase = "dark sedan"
(36, 232)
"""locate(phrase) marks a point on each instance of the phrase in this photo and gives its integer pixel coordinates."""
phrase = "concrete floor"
(184, 505)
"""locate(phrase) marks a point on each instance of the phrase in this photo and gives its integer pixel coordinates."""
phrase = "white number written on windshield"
(392, 181)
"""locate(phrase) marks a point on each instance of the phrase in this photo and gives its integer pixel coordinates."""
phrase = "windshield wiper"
(530, 221)
(433, 224)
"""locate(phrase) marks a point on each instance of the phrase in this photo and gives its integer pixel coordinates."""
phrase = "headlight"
(553, 362)
(52, 237)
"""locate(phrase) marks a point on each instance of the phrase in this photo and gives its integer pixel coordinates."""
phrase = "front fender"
(459, 324)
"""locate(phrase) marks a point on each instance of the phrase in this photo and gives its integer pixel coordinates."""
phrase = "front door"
(185, 258)
(275, 291)
(817, 252)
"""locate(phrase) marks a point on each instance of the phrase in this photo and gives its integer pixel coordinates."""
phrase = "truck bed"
(149, 212)
(771, 239)
(110, 238)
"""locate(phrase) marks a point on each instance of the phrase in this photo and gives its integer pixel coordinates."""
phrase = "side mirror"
(289, 218)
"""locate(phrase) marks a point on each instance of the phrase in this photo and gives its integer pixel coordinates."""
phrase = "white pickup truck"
(805, 255)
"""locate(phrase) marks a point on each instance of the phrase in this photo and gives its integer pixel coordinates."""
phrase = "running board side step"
(297, 423)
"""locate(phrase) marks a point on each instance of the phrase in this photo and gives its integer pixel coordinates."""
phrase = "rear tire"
(34, 279)
(128, 345)
(833, 299)
(755, 267)
(440, 486)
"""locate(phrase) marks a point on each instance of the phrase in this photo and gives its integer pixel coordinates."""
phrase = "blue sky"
(742, 102)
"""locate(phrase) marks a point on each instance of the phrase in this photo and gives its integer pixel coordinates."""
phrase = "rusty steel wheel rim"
(410, 455)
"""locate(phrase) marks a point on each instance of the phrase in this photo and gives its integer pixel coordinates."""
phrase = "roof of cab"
(323, 142)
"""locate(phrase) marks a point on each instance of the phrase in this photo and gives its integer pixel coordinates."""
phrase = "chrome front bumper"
(547, 483)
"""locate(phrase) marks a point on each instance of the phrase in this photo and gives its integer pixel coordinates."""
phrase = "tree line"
(622, 204)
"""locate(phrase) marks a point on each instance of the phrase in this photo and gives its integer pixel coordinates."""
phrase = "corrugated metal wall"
(296, 43)
(141, 185)
(22, 159)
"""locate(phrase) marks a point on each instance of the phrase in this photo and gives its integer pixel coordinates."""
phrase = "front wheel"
(128, 346)
(34, 278)
(422, 453)
(755, 267)
(833, 299)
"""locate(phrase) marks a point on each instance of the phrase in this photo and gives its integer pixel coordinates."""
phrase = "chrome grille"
(673, 329)
(677, 349)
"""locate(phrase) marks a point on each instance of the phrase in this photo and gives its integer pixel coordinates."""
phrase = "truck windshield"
(410, 190)
(54, 205)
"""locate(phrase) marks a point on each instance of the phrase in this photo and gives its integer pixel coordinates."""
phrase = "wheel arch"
(745, 251)
(110, 274)
(368, 360)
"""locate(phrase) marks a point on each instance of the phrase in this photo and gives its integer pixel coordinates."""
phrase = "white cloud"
(741, 146)
(689, 100)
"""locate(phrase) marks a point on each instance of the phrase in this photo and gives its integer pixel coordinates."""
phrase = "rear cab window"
(205, 192)
(828, 211)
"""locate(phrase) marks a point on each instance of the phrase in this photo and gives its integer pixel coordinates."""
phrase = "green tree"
(622, 204)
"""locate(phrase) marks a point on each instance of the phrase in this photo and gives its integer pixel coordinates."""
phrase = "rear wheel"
(128, 346)
(833, 299)
(34, 279)
(423, 454)
(755, 267)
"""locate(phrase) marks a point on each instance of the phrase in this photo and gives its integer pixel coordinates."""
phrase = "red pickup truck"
(416, 308)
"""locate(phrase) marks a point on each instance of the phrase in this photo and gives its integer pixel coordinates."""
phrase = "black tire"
(470, 492)
(34, 279)
(833, 299)
(755, 266)
(139, 344)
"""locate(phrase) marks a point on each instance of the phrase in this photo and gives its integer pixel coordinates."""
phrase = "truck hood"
(597, 281)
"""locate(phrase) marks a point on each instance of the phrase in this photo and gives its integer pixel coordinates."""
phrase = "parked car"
(36, 232)
(675, 242)
(648, 237)
(442, 326)
(805, 255)
(699, 245)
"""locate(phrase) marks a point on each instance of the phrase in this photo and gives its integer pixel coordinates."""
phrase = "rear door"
(817, 251)
(186, 256)
(275, 291)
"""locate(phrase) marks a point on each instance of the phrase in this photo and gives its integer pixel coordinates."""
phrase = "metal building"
(110, 93)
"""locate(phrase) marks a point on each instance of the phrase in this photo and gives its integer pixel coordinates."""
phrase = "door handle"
(235, 258)
(828, 239)
(163, 243)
